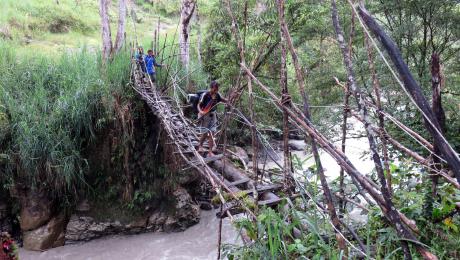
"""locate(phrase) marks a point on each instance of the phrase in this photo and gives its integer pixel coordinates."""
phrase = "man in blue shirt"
(151, 63)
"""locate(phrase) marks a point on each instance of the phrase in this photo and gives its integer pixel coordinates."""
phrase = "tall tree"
(108, 48)
(198, 43)
(121, 26)
(186, 13)
(105, 29)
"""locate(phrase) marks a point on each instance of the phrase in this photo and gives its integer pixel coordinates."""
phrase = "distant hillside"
(53, 25)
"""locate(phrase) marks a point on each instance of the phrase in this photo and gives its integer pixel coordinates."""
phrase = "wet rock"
(250, 152)
(178, 214)
(78, 228)
(84, 228)
(137, 225)
(297, 145)
(35, 210)
(205, 205)
(296, 136)
(240, 154)
(171, 224)
(157, 218)
(187, 212)
(47, 236)
(188, 176)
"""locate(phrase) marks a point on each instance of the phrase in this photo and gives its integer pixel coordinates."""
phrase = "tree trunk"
(119, 40)
(391, 214)
(345, 112)
(105, 29)
(186, 13)
(198, 43)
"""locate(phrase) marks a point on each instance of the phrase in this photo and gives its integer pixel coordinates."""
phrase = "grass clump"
(53, 106)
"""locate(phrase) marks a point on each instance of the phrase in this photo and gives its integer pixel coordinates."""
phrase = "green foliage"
(54, 106)
(274, 240)
(139, 200)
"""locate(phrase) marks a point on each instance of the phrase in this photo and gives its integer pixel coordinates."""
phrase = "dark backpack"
(193, 99)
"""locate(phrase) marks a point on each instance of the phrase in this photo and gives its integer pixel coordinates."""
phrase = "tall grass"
(54, 106)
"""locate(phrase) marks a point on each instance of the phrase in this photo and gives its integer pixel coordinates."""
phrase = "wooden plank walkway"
(183, 138)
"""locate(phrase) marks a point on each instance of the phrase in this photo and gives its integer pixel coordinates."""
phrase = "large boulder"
(50, 235)
(187, 212)
(176, 214)
(83, 206)
(184, 214)
(84, 228)
(35, 210)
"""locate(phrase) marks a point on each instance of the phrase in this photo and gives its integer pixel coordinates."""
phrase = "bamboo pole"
(287, 174)
(319, 168)
(376, 87)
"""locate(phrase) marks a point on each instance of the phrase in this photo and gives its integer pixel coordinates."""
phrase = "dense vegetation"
(53, 108)
(55, 104)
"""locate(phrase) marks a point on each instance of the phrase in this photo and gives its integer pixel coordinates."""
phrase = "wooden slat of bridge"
(182, 134)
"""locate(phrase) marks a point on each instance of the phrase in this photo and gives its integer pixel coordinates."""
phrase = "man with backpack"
(151, 63)
(207, 118)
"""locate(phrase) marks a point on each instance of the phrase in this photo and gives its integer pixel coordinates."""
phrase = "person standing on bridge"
(140, 58)
(207, 115)
(151, 63)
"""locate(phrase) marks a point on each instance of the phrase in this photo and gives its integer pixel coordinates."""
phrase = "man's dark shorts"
(152, 77)
(208, 123)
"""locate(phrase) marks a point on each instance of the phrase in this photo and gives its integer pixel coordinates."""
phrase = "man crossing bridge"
(207, 115)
